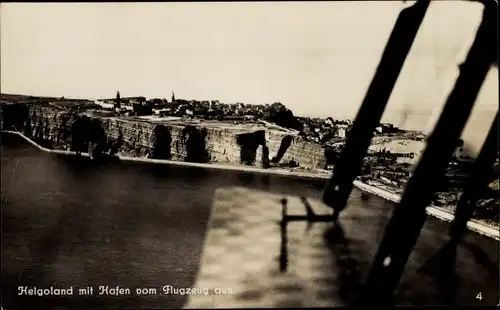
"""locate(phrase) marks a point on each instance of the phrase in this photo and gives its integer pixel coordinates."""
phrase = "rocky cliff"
(80, 131)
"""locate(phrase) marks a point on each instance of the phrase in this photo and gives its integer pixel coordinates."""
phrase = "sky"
(317, 58)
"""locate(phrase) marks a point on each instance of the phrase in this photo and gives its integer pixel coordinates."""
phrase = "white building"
(161, 111)
(105, 105)
(342, 131)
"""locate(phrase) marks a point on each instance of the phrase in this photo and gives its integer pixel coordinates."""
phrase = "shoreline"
(240, 168)
(474, 225)
(436, 212)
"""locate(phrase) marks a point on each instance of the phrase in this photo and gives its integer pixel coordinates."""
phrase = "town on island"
(266, 137)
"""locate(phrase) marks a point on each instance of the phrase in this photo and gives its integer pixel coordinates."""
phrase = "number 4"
(479, 296)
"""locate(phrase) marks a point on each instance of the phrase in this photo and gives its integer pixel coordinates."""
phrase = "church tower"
(117, 101)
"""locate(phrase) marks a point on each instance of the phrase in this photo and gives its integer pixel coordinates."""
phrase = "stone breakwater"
(80, 131)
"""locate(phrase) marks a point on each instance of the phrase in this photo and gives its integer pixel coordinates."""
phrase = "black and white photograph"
(260, 154)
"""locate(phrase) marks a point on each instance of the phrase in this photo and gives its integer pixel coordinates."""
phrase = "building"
(140, 109)
(342, 131)
(386, 128)
(117, 105)
(162, 112)
(105, 105)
